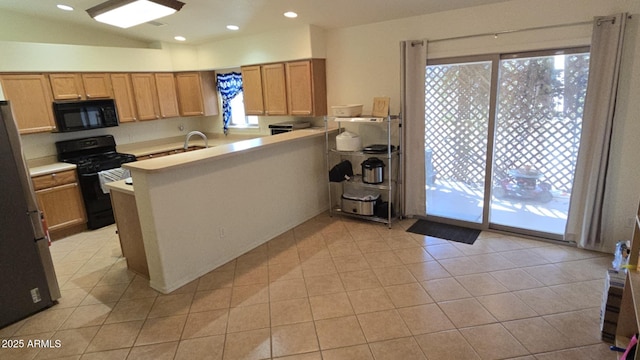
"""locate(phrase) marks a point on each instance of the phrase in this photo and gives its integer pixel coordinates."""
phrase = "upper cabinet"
(155, 95)
(296, 88)
(72, 86)
(252, 90)
(197, 94)
(274, 89)
(146, 97)
(97, 85)
(123, 96)
(30, 97)
(306, 88)
(167, 96)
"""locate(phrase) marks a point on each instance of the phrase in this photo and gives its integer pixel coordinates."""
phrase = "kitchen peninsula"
(201, 209)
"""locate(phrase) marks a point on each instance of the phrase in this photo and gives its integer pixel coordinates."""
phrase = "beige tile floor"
(332, 288)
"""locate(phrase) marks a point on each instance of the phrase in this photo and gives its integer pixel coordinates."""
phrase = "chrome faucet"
(190, 134)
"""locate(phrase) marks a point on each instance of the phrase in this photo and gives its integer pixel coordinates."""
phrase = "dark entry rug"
(445, 231)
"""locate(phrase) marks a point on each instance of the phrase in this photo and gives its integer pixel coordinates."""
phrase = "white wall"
(42, 145)
(19, 27)
(363, 62)
(281, 45)
(34, 57)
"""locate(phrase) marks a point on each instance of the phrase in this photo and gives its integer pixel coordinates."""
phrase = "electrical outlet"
(221, 232)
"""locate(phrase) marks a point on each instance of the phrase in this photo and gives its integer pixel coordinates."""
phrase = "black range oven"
(92, 155)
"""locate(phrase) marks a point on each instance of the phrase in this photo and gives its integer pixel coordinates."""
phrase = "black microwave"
(85, 114)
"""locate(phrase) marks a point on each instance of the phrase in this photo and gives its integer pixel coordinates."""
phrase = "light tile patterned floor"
(332, 288)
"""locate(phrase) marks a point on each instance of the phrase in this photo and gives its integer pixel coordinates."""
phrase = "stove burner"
(99, 162)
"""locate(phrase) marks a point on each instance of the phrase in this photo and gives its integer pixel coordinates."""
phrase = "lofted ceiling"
(202, 21)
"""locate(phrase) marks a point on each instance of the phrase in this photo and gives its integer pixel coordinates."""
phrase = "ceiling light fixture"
(180, 38)
(128, 13)
(233, 27)
(64, 7)
(291, 14)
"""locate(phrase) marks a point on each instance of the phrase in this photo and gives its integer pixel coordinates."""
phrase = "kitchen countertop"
(51, 168)
(49, 165)
(222, 150)
(175, 143)
(121, 186)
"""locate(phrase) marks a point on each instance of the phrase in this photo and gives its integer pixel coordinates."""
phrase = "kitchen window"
(238, 117)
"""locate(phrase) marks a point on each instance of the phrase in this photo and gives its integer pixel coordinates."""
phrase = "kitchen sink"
(191, 148)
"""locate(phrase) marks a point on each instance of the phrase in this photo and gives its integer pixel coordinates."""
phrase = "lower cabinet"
(129, 232)
(60, 199)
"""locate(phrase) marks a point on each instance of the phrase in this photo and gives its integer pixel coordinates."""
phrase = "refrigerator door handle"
(36, 224)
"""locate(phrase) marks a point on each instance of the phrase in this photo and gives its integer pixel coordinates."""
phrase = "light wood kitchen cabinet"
(197, 93)
(306, 87)
(155, 95)
(252, 90)
(125, 212)
(97, 85)
(60, 199)
(74, 86)
(146, 97)
(123, 95)
(167, 97)
(30, 97)
(296, 88)
(274, 89)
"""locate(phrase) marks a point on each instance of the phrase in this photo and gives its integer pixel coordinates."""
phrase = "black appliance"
(92, 155)
(85, 114)
(27, 278)
(280, 128)
(377, 149)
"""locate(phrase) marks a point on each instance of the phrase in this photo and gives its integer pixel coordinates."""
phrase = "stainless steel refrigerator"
(28, 281)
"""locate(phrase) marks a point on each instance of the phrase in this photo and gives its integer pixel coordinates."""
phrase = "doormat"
(445, 231)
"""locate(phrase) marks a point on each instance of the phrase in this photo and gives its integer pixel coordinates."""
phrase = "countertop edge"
(50, 169)
(222, 151)
(120, 186)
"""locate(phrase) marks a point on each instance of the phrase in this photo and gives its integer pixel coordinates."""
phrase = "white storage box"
(347, 110)
(348, 141)
(361, 202)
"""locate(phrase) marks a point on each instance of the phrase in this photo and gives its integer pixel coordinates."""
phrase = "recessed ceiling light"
(180, 38)
(64, 7)
(233, 27)
(291, 14)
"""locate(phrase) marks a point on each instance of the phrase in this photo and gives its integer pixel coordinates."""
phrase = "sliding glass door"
(502, 137)
(457, 112)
